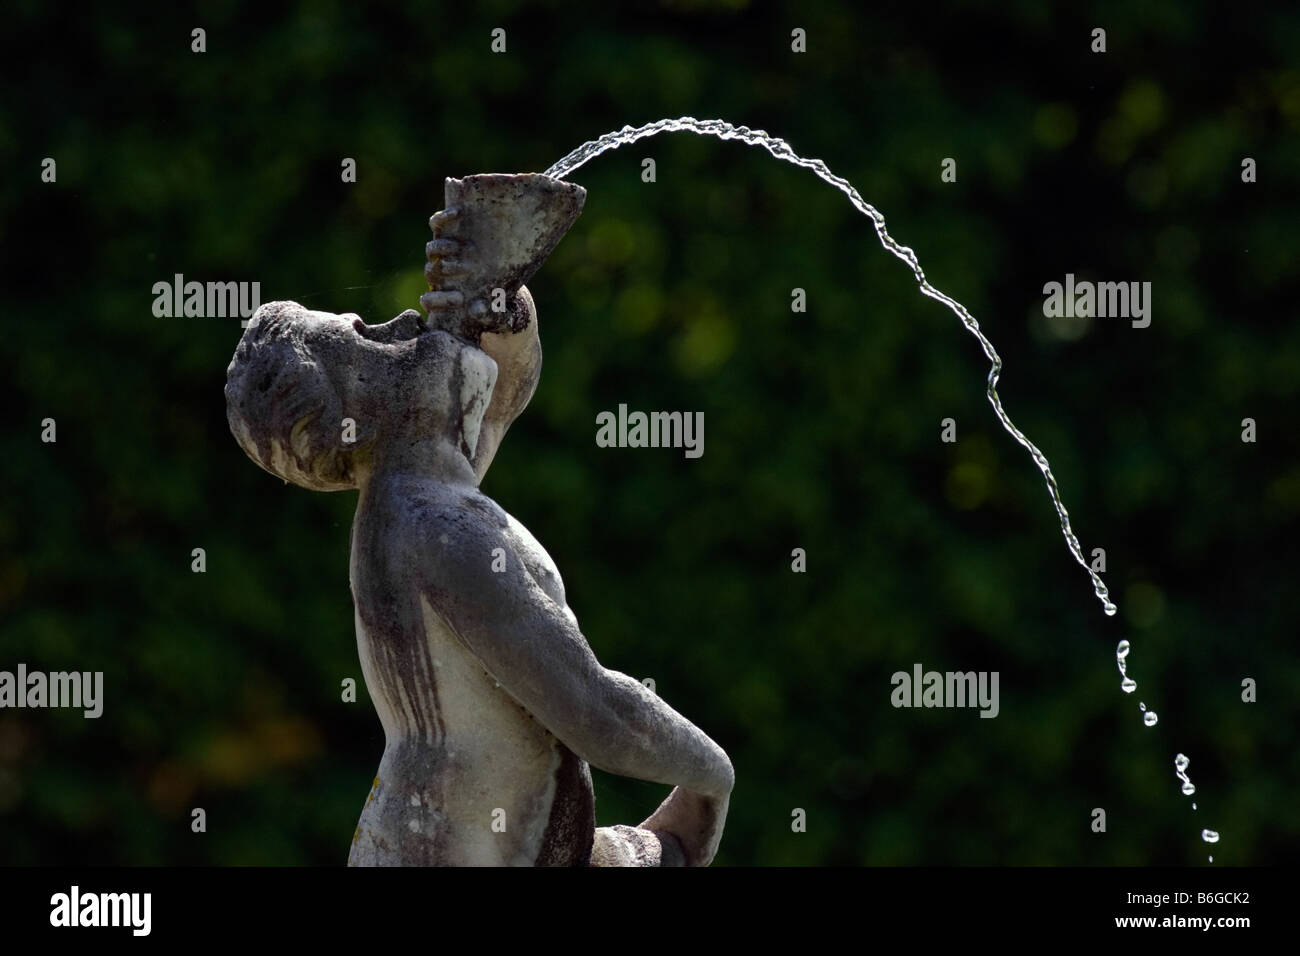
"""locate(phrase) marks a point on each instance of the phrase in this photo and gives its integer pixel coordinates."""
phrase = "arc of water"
(782, 150)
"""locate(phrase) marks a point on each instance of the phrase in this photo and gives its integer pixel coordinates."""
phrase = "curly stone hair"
(285, 401)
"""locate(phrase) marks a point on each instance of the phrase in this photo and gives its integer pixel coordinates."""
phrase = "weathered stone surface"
(492, 702)
(632, 846)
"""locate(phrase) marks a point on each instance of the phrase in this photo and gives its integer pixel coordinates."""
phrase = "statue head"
(316, 398)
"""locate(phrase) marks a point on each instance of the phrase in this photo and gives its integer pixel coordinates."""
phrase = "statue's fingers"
(442, 247)
(435, 301)
(446, 268)
(441, 271)
(444, 220)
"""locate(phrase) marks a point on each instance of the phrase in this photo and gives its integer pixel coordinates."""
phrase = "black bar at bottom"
(375, 907)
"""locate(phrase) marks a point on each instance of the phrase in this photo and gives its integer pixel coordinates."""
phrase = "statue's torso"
(468, 777)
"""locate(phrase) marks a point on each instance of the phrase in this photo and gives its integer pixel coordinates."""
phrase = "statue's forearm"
(645, 738)
(518, 355)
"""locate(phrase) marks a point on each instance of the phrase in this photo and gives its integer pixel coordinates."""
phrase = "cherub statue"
(492, 702)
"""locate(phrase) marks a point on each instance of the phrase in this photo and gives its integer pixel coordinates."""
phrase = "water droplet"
(1193, 805)
(1128, 685)
(1210, 836)
(1150, 718)
(1211, 859)
(1122, 650)
(1141, 706)
(1181, 762)
(1188, 790)
(1110, 611)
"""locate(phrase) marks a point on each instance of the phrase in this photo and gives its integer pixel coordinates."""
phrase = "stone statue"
(492, 703)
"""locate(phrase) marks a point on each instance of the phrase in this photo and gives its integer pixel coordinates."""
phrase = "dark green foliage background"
(822, 429)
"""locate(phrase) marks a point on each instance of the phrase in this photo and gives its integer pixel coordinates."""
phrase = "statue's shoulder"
(441, 525)
(462, 539)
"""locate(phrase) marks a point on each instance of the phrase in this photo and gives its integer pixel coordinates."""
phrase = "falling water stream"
(782, 150)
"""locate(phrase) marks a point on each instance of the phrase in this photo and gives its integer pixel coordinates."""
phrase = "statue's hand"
(450, 263)
(453, 268)
(695, 820)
